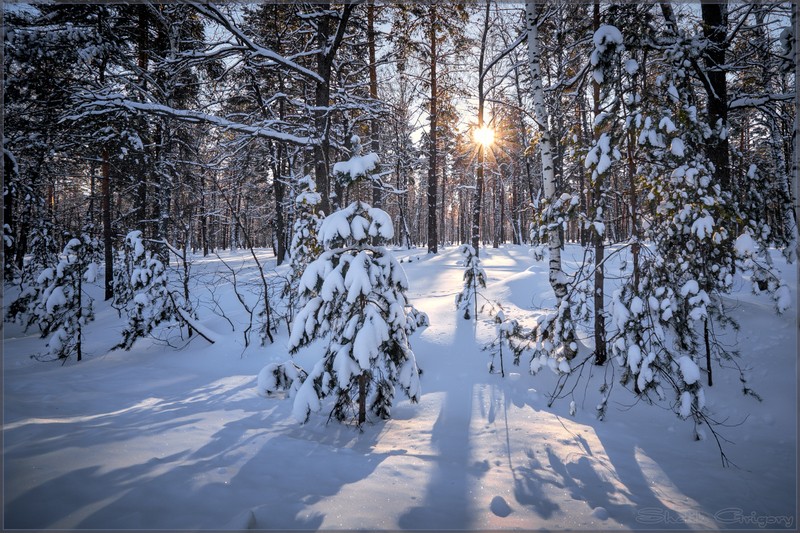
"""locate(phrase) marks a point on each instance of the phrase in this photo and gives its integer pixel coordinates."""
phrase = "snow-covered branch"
(103, 104)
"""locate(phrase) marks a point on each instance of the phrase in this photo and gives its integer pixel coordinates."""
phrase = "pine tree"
(693, 259)
(356, 295)
(64, 307)
(149, 299)
(355, 298)
(304, 247)
(474, 277)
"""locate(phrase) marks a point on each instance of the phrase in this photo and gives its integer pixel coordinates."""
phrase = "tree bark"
(433, 236)
(374, 124)
(108, 254)
(715, 31)
(556, 276)
(598, 200)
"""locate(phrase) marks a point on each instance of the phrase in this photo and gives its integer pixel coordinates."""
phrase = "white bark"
(557, 277)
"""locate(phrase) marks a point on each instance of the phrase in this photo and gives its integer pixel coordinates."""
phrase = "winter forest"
(411, 265)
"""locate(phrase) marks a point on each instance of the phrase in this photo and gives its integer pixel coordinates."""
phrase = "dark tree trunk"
(142, 61)
(433, 236)
(9, 191)
(374, 124)
(363, 380)
(715, 30)
(600, 353)
(108, 253)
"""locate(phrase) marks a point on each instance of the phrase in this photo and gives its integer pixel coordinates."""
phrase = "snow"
(91, 273)
(46, 275)
(703, 227)
(358, 165)
(605, 35)
(667, 125)
(55, 299)
(686, 404)
(637, 306)
(745, 246)
(676, 147)
(166, 438)
(690, 287)
(603, 164)
(689, 369)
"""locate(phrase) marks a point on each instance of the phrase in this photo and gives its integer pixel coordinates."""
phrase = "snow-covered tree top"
(355, 223)
(308, 191)
(605, 35)
(357, 166)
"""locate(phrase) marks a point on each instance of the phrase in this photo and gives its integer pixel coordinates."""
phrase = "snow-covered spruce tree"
(64, 307)
(43, 255)
(474, 278)
(356, 297)
(304, 247)
(693, 258)
(150, 300)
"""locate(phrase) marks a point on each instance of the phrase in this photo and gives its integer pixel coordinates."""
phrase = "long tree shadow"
(628, 501)
(530, 478)
(447, 504)
(259, 455)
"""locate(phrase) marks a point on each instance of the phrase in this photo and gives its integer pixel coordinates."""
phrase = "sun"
(484, 136)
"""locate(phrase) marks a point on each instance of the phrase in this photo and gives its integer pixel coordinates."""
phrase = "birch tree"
(558, 279)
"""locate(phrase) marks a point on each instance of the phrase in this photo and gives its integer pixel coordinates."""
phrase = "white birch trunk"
(557, 277)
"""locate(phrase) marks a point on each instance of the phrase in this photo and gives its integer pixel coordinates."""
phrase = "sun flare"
(484, 136)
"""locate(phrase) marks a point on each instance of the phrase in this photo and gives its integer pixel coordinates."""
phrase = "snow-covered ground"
(177, 437)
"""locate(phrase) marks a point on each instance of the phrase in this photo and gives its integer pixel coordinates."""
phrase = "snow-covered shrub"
(754, 257)
(149, 300)
(276, 377)
(304, 247)
(474, 277)
(356, 299)
(121, 284)
(64, 307)
(25, 309)
(357, 167)
(415, 319)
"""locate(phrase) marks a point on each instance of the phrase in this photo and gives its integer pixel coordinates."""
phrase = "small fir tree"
(304, 247)
(474, 277)
(64, 306)
(355, 298)
(149, 300)
(26, 308)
